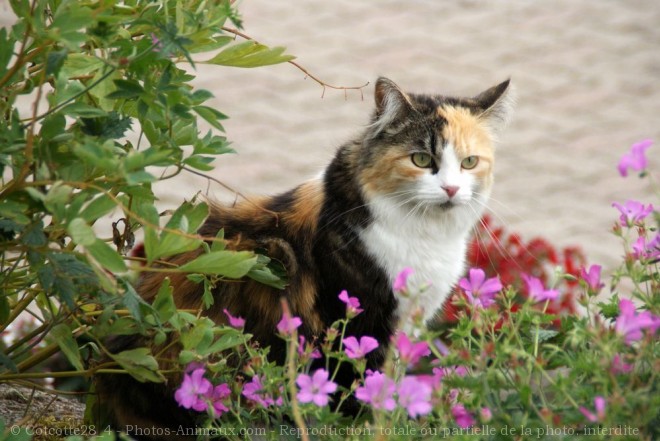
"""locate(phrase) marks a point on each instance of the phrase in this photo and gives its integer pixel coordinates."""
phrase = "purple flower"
(255, 392)
(219, 393)
(442, 348)
(355, 349)
(234, 322)
(646, 250)
(636, 159)
(193, 366)
(401, 282)
(288, 325)
(307, 349)
(409, 352)
(352, 304)
(462, 417)
(479, 290)
(378, 390)
(315, 388)
(155, 41)
(592, 278)
(629, 324)
(633, 212)
(599, 404)
(537, 291)
(193, 391)
(619, 366)
(415, 396)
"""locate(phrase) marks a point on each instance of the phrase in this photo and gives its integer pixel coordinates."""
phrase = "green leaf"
(546, 334)
(97, 208)
(112, 126)
(5, 310)
(250, 54)
(8, 363)
(84, 235)
(77, 64)
(126, 89)
(81, 233)
(55, 60)
(79, 109)
(219, 243)
(232, 264)
(6, 46)
(140, 364)
(266, 277)
(200, 162)
(211, 116)
(232, 339)
(64, 338)
(106, 256)
(164, 302)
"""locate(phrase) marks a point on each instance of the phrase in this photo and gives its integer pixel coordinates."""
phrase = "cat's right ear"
(392, 104)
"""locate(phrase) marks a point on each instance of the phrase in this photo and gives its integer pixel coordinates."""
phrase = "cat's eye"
(470, 162)
(422, 160)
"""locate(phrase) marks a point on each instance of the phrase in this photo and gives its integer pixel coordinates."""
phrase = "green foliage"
(119, 112)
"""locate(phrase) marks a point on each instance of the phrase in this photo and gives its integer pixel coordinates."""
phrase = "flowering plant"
(530, 351)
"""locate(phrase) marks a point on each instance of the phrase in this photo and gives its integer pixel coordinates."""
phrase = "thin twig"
(322, 83)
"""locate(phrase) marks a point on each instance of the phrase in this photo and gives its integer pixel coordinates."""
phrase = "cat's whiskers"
(497, 242)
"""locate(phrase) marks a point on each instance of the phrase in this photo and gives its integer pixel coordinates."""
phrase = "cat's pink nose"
(451, 190)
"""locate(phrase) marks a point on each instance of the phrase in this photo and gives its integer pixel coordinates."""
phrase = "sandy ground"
(586, 74)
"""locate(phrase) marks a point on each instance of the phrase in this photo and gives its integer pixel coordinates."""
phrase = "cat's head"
(430, 153)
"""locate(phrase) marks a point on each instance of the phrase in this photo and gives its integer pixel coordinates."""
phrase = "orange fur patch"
(388, 173)
(470, 137)
(304, 214)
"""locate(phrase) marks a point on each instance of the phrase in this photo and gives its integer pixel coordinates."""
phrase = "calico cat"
(405, 193)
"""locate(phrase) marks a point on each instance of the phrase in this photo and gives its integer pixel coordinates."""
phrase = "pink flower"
(485, 414)
(414, 396)
(352, 304)
(255, 392)
(462, 417)
(401, 282)
(409, 352)
(592, 278)
(646, 250)
(288, 324)
(636, 159)
(234, 322)
(378, 390)
(219, 393)
(434, 381)
(633, 212)
(599, 404)
(629, 324)
(193, 391)
(315, 388)
(459, 371)
(479, 290)
(619, 367)
(355, 349)
(536, 290)
(307, 349)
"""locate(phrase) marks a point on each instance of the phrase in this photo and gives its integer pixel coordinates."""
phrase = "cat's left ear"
(392, 105)
(495, 105)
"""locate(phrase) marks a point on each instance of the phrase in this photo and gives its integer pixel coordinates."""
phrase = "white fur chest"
(433, 247)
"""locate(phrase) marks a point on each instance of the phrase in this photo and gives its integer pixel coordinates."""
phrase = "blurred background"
(587, 78)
